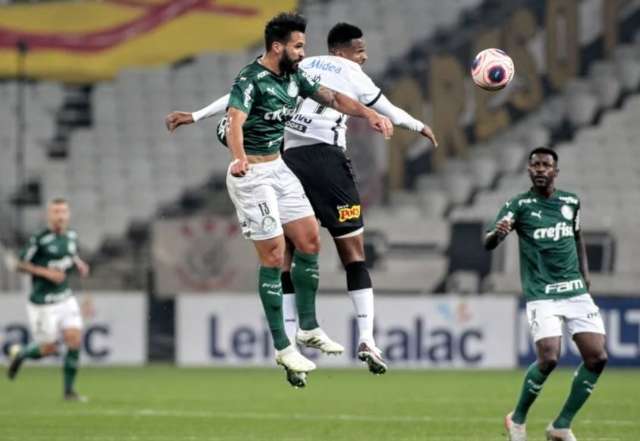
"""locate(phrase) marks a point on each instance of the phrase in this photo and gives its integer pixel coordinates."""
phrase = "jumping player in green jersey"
(269, 199)
(50, 256)
(555, 282)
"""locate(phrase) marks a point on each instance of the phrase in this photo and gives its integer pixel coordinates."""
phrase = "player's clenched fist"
(380, 124)
(239, 167)
(177, 119)
(504, 227)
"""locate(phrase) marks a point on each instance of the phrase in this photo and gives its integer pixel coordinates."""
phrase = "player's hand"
(428, 133)
(177, 119)
(83, 267)
(504, 227)
(380, 124)
(55, 276)
(239, 167)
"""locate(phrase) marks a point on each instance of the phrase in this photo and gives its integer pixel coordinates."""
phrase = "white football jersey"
(314, 123)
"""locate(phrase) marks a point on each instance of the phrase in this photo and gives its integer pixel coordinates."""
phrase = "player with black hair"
(315, 150)
(555, 280)
(269, 199)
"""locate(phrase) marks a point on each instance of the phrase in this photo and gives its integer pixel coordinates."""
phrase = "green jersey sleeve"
(576, 218)
(30, 250)
(307, 85)
(243, 94)
(507, 211)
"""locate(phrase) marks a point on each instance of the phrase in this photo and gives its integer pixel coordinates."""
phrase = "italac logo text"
(558, 288)
(283, 114)
(561, 230)
(346, 213)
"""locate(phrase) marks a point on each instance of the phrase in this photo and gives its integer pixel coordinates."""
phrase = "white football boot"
(293, 360)
(318, 339)
(554, 434)
(515, 431)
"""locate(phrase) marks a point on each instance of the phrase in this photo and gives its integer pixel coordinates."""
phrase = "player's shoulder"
(520, 199)
(42, 237)
(568, 197)
(251, 72)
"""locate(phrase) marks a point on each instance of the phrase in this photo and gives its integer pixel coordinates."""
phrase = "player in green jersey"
(269, 199)
(555, 282)
(50, 256)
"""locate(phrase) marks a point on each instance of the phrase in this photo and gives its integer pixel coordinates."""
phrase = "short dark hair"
(342, 34)
(58, 200)
(544, 151)
(281, 26)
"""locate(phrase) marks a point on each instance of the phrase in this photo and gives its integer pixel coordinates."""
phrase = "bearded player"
(53, 311)
(315, 150)
(555, 282)
(268, 197)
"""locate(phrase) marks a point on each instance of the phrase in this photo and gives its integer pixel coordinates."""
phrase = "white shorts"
(579, 313)
(266, 198)
(49, 320)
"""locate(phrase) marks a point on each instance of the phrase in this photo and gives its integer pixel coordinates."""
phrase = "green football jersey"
(546, 227)
(50, 250)
(270, 101)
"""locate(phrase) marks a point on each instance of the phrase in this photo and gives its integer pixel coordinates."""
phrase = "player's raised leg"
(594, 356)
(305, 236)
(43, 323)
(351, 251)
(548, 350)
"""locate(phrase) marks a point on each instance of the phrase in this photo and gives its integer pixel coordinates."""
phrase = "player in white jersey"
(315, 150)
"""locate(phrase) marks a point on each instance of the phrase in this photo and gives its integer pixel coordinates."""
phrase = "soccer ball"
(492, 69)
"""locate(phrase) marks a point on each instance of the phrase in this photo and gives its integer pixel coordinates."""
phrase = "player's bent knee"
(547, 363)
(311, 245)
(48, 348)
(597, 362)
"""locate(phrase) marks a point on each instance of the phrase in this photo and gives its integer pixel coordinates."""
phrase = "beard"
(287, 65)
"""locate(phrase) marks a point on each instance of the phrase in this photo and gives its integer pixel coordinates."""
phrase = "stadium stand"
(122, 170)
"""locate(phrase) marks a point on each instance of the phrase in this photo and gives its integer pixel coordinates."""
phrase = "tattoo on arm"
(325, 96)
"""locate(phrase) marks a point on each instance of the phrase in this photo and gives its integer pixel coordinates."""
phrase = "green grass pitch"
(162, 403)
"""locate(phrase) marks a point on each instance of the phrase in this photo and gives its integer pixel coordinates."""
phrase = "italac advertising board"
(413, 332)
(115, 327)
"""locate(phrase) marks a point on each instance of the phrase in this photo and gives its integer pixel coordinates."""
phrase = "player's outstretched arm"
(582, 257)
(178, 118)
(344, 104)
(81, 265)
(493, 238)
(235, 140)
(400, 117)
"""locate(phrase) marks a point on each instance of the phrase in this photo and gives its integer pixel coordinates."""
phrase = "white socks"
(363, 303)
(289, 315)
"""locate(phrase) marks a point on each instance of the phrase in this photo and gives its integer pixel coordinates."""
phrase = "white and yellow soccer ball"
(492, 69)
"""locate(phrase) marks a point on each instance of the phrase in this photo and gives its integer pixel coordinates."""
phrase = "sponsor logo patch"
(346, 212)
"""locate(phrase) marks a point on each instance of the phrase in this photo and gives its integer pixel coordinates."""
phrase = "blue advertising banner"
(622, 321)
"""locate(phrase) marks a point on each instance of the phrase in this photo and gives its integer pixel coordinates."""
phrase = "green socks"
(270, 289)
(31, 351)
(305, 278)
(70, 369)
(533, 381)
(583, 383)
